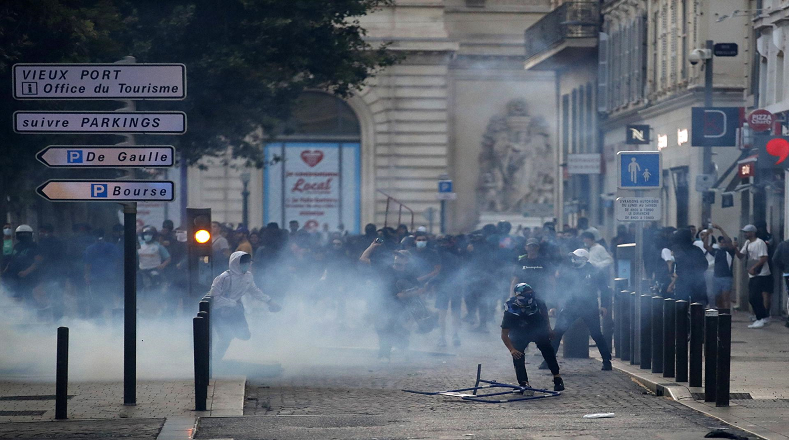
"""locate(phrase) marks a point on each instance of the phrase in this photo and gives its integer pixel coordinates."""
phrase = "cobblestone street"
(366, 401)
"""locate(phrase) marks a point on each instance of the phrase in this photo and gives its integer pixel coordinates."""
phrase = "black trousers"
(591, 317)
(520, 339)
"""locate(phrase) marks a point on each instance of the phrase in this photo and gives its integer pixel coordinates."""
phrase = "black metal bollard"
(724, 360)
(657, 334)
(681, 339)
(61, 375)
(205, 306)
(620, 284)
(646, 332)
(206, 347)
(624, 335)
(696, 343)
(201, 388)
(710, 354)
(633, 328)
(669, 342)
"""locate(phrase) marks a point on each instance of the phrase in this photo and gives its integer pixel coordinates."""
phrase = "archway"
(314, 171)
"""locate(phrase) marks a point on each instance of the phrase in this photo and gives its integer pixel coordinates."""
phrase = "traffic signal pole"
(130, 303)
(707, 166)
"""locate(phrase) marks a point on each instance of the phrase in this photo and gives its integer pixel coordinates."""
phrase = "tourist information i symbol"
(639, 169)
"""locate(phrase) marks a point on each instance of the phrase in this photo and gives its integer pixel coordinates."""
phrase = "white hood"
(231, 285)
(235, 262)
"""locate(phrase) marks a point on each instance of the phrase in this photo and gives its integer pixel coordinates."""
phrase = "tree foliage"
(247, 61)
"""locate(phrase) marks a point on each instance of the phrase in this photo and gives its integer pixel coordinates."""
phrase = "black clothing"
(536, 272)
(391, 312)
(583, 283)
(524, 329)
(722, 266)
(690, 265)
(423, 262)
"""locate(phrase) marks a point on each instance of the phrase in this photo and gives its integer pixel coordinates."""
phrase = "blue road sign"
(445, 186)
(640, 169)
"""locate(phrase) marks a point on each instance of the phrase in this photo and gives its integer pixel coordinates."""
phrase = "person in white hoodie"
(227, 311)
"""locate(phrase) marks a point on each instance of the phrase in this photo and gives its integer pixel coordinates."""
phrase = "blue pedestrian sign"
(640, 169)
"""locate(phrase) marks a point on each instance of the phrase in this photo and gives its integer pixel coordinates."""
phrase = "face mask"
(147, 237)
(421, 244)
(244, 268)
(180, 236)
(7, 231)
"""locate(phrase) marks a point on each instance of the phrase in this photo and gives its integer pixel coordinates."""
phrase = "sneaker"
(543, 366)
(558, 384)
(442, 342)
(752, 318)
(456, 341)
(607, 366)
(526, 390)
(759, 323)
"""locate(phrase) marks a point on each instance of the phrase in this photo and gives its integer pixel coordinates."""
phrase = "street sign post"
(107, 190)
(446, 190)
(99, 81)
(638, 209)
(35, 122)
(107, 156)
(640, 169)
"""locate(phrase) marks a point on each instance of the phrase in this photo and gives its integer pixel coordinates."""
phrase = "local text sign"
(106, 156)
(107, 190)
(638, 209)
(100, 122)
(99, 81)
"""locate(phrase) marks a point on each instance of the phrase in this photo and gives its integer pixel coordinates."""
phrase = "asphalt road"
(355, 397)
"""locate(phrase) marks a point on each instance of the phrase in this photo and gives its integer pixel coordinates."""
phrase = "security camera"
(697, 55)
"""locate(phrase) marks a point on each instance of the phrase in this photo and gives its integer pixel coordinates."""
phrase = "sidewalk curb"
(682, 394)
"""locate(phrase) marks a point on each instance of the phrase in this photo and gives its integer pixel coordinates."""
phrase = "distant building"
(460, 104)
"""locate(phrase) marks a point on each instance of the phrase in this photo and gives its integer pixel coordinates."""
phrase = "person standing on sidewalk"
(781, 263)
(760, 281)
(723, 278)
(526, 320)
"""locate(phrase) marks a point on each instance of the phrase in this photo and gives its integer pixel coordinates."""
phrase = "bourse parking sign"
(639, 169)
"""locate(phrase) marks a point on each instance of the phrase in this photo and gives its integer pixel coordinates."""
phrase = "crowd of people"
(411, 281)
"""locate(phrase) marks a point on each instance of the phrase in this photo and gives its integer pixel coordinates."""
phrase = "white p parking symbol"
(98, 190)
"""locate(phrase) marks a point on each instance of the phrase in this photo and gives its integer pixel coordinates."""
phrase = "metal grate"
(22, 413)
(37, 397)
(732, 396)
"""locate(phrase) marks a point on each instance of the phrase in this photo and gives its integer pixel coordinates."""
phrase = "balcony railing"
(574, 19)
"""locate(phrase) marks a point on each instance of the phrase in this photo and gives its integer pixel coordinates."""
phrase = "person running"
(582, 289)
(526, 320)
(228, 288)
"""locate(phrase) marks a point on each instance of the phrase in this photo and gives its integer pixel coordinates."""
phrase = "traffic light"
(198, 240)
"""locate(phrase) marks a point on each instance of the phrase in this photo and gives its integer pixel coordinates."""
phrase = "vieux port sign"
(102, 82)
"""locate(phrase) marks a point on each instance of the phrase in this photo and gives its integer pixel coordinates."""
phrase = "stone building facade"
(459, 104)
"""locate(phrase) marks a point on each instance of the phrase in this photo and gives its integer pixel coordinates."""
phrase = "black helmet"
(522, 289)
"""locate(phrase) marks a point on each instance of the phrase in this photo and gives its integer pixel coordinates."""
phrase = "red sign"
(746, 170)
(761, 120)
(779, 148)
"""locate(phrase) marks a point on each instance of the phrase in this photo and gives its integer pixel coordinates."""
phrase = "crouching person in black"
(526, 320)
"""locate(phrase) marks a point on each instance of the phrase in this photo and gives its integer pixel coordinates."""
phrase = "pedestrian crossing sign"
(640, 169)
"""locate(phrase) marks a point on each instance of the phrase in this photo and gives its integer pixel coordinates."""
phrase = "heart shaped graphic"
(312, 158)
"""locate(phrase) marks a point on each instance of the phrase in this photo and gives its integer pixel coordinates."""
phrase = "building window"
(684, 44)
(763, 81)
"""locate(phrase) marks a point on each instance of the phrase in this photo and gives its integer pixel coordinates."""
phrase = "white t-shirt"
(753, 251)
(666, 255)
(152, 255)
(599, 257)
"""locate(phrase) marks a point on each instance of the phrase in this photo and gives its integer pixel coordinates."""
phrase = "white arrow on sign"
(107, 190)
(99, 81)
(100, 122)
(107, 156)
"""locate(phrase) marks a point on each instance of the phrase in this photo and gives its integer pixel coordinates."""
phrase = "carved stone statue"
(516, 162)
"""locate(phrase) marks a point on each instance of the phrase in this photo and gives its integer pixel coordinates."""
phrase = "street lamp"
(245, 176)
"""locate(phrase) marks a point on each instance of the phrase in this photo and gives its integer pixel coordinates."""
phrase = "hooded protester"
(526, 320)
(227, 309)
(583, 284)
